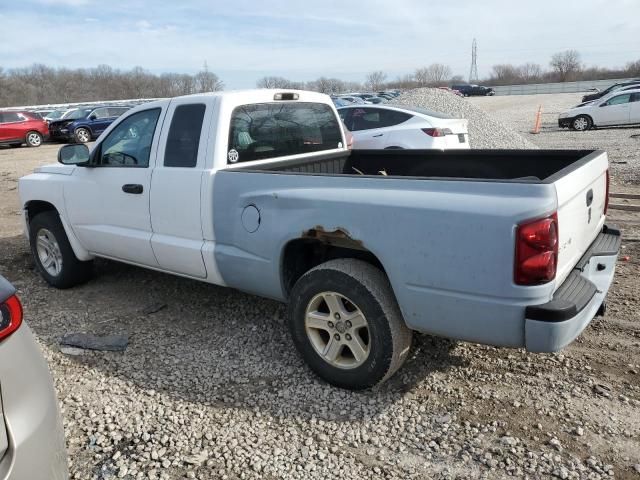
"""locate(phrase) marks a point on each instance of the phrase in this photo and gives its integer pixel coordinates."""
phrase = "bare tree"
(504, 74)
(276, 82)
(530, 72)
(566, 64)
(436, 74)
(326, 85)
(375, 80)
(206, 81)
(633, 68)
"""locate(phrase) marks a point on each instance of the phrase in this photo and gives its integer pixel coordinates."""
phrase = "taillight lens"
(537, 251)
(606, 198)
(10, 316)
(437, 132)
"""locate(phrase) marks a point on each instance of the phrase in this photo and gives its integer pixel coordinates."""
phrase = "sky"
(243, 40)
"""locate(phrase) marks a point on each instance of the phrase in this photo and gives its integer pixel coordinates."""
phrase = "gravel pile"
(484, 130)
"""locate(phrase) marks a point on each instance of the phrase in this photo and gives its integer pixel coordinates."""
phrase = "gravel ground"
(485, 131)
(210, 386)
(519, 111)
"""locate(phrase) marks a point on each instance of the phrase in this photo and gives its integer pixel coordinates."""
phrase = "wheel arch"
(35, 207)
(316, 246)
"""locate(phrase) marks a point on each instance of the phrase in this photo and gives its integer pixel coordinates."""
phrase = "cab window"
(129, 143)
(269, 130)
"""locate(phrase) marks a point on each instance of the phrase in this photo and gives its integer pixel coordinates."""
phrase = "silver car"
(31, 437)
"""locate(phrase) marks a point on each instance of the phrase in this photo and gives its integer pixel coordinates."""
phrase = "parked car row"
(346, 99)
(620, 107)
(78, 124)
(472, 90)
(630, 85)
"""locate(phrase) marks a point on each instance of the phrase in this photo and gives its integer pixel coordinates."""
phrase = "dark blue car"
(85, 123)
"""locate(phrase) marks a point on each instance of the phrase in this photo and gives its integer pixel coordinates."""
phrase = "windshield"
(55, 114)
(77, 113)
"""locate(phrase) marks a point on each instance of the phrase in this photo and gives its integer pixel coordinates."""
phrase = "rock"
(197, 459)
(114, 343)
(510, 441)
(555, 443)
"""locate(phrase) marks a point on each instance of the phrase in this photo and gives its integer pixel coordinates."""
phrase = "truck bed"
(519, 166)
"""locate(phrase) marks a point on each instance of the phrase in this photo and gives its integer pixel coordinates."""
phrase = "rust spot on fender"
(338, 237)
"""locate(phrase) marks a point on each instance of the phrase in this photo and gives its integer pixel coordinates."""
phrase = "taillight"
(606, 197)
(10, 316)
(536, 251)
(437, 132)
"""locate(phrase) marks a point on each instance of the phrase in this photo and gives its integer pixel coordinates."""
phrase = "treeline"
(40, 84)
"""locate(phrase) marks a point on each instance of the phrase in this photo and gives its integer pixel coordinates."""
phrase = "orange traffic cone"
(536, 127)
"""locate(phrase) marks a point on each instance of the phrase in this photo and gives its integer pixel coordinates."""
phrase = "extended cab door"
(178, 239)
(108, 202)
(615, 111)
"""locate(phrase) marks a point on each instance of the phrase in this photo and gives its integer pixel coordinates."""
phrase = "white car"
(621, 107)
(384, 127)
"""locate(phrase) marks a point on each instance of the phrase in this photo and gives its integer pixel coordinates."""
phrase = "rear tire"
(52, 252)
(361, 340)
(33, 139)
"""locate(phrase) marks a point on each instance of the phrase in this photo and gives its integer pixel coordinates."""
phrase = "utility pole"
(473, 74)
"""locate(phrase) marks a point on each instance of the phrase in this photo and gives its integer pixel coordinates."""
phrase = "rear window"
(268, 130)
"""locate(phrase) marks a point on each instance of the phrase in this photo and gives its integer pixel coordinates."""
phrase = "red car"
(18, 127)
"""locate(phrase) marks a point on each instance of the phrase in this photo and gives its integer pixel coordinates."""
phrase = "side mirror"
(604, 104)
(92, 116)
(74, 154)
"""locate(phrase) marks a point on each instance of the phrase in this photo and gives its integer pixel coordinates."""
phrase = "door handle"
(134, 188)
(379, 135)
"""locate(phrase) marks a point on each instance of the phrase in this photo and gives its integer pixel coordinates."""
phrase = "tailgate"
(581, 197)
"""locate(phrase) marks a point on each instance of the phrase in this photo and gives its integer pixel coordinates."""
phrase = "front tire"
(33, 139)
(346, 324)
(581, 123)
(82, 135)
(52, 252)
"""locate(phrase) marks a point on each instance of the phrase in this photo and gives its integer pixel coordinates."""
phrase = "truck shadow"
(201, 343)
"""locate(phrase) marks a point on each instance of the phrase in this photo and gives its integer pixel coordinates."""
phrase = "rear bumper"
(36, 447)
(564, 122)
(552, 326)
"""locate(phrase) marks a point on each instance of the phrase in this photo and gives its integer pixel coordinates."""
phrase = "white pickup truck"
(257, 191)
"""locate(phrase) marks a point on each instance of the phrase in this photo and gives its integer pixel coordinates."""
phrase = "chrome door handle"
(379, 135)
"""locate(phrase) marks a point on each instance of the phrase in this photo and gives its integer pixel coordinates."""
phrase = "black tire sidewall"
(381, 346)
(73, 271)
